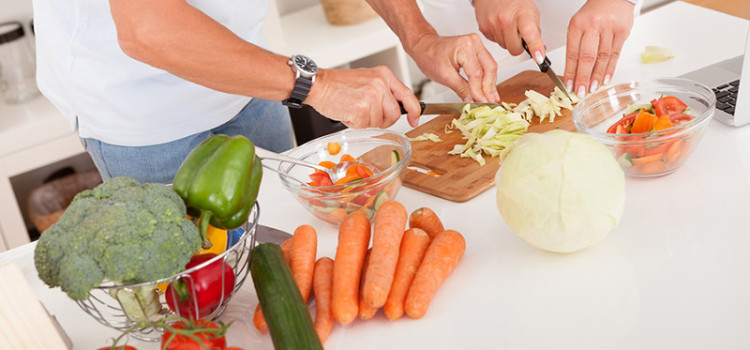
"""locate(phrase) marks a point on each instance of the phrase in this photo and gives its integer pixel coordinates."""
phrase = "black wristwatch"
(305, 69)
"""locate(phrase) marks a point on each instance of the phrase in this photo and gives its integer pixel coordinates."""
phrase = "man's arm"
(442, 58)
(209, 54)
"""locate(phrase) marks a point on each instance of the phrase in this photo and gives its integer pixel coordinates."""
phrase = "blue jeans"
(266, 123)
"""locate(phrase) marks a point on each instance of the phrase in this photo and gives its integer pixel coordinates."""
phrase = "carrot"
(440, 259)
(333, 148)
(286, 248)
(322, 285)
(388, 229)
(426, 219)
(347, 158)
(353, 240)
(326, 164)
(366, 311)
(302, 258)
(413, 247)
(258, 319)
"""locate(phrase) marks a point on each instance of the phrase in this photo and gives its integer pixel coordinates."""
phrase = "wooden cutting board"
(463, 178)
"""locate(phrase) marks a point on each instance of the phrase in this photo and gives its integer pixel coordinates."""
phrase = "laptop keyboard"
(726, 96)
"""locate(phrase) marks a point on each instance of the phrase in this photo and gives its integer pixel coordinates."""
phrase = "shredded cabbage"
(426, 137)
(487, 131)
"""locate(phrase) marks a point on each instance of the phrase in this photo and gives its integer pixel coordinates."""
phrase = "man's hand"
(596, 34)
(443, 58)
(362, 98)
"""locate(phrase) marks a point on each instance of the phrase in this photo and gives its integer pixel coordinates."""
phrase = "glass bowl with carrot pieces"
(650, 126)
(368, 169)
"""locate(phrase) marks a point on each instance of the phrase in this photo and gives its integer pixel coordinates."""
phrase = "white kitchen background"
(293, 26)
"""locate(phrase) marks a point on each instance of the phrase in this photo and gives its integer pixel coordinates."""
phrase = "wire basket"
(107, 302)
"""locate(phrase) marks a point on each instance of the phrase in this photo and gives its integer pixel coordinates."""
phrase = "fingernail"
(594, 85)
(606, 79)
(581, 91)
(538, 56)
(569, 86)
(467, 99)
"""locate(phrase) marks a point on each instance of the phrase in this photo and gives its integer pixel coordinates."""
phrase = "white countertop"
(672, 275)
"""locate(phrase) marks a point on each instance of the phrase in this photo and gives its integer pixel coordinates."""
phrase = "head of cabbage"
(560, 191)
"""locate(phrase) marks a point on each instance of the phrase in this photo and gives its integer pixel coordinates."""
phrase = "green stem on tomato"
(190, 330)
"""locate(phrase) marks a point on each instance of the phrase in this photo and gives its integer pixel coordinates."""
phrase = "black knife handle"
(421, 107)
(542, 66)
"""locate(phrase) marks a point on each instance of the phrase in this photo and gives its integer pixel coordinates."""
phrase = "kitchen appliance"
(17, 64)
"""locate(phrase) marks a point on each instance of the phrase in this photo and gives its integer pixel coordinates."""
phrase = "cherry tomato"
(666, 105)
(181, 342)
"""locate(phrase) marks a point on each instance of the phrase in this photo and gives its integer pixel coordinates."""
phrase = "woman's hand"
(596, 34)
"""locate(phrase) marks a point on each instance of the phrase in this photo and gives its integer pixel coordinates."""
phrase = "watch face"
(305, 64)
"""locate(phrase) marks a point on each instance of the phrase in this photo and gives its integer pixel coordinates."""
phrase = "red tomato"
(181, 342)
(203, 287)
(667, 105)
(679, 118)
(625, 122)
(320, 178)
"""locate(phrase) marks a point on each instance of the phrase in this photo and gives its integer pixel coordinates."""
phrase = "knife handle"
(421, 107)
(542, 66)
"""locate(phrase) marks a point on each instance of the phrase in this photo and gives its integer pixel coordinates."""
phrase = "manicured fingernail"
(538, 56)
(594, 85)
(581, 91)
(606, 79)
(569, 86)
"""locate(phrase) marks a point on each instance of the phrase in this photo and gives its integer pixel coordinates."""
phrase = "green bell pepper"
(219, 180)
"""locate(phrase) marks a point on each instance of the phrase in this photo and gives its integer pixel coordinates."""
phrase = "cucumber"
(286, 314)
(625, 160)
(395, 157)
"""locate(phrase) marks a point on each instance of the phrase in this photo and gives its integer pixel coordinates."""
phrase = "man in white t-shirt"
(592, 30)
(143, 82)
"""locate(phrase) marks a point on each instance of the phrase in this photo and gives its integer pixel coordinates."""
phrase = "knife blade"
(546, 67)
(447, 108)
(265, 234)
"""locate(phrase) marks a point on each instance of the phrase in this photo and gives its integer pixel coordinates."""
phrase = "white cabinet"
(32, 135)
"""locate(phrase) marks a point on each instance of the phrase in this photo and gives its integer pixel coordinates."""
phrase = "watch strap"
(299, 93)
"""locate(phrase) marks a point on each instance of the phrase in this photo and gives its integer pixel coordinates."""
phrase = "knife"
(265, 234)
(546, 67)
(447, 108)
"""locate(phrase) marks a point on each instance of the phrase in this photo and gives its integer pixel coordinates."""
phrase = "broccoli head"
(122, 231)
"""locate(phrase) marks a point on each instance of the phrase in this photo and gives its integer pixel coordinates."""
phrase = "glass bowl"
(652, 153)
(386, 152)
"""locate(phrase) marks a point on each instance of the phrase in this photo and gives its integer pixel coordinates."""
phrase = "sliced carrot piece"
(326, 164)
(677, 151)
(647, 159)
(334, 148)
(348, 158)
(662, 123)
(644, 122)
(651, 167)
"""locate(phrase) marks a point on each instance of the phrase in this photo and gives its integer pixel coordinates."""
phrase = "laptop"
(731, 84)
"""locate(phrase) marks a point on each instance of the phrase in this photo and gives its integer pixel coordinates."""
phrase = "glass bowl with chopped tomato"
(372, 165)
(650, 126)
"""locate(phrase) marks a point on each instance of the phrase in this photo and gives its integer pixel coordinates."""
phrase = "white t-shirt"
(456, 17)
(111, 97)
